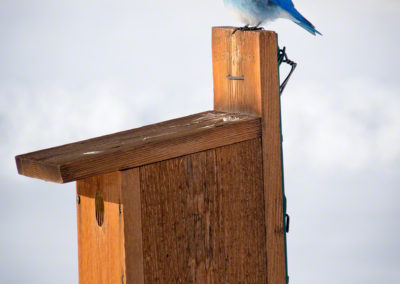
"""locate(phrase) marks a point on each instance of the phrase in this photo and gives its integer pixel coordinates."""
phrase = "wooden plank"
(173, 218)
(272, 159)
(253, 55)
(140, 146)
(239, 237)
(236, 55)
(132, 214)
(100, 248)
(203, 217)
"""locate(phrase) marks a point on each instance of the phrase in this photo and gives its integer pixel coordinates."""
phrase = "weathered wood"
(132, 214)
(237, 214)
(192, 219)
(192, 200)
(203, 217)
(272, 159)
(237, 55)
(253, 55)
(100, 248)
(139, 146)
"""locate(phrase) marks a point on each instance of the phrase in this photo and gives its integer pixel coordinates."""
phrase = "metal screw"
(78, 199)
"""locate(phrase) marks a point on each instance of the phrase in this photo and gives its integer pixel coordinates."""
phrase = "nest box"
(197, 199)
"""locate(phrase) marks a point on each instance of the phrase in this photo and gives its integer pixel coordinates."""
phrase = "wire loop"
(282, 58)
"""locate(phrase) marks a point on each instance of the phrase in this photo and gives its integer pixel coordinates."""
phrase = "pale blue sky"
(72, 70)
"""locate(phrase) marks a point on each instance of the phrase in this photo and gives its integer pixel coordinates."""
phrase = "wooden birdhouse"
(197, 199)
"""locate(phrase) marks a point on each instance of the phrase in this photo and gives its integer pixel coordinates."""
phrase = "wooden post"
(196, 199)
(246, 80)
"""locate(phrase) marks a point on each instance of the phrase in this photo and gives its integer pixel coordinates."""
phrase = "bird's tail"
(303, 22)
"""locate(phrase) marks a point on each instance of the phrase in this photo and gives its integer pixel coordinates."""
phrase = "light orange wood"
(139, 146)
(203, 217)
(253, 55)
(236, 55)
(112, 252)
(100, 248)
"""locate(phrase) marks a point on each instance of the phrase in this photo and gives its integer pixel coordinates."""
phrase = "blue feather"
(288, 6)
(256, 12)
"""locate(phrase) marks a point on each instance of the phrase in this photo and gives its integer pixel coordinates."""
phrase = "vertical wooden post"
(246, 80)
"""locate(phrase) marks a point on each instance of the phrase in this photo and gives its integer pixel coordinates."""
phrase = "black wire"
(282, 58)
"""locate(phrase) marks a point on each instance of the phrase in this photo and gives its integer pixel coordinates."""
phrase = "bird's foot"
(247, 28)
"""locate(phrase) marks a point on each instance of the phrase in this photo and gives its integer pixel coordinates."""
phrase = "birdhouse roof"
(139, 146)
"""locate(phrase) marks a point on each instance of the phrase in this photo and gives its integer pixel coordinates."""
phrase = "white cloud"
(351, 125)
(36, 118)
(76, 70)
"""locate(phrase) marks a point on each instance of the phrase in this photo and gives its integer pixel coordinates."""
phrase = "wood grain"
(253, 55)
(272, 159)
(139, 146)
(203, 217)
(132, 214)
(237, 55)
(100, 249)
(237, 215)
(192, 200)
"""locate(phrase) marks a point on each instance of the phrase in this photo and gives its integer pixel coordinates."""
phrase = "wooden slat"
(132, 214)
(237, 215)
(272, 158)
(253, 55)
(100, 248)
(174, 225)
(139, 146)
(203, 217)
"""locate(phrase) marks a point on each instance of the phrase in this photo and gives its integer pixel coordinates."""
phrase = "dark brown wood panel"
(173, 217)
(132, 214)
(203, 217)
(100, 248)
(239, 236)
(140, 146)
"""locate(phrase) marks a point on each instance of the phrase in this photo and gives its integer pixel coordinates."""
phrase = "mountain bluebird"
(255, 12)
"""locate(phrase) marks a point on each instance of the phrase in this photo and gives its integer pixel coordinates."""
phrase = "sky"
(73, 70)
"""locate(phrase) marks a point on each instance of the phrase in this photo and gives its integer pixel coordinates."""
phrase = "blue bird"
(255, 12)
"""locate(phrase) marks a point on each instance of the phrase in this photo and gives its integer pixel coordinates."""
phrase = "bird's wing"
(285, 4)
(288, 6)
